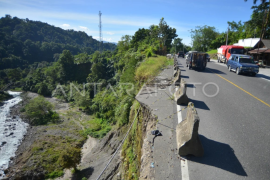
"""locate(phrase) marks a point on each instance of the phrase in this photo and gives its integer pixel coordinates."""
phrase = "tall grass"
(214, 51)
(151, 67)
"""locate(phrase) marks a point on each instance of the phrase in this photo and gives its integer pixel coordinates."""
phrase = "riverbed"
(12, 131)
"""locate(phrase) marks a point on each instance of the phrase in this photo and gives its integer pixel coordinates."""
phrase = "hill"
(23, 42)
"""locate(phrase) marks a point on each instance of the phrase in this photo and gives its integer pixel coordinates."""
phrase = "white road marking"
(184, 161)
(179, 114)
(184, 169)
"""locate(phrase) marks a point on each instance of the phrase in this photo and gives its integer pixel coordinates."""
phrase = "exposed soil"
(95, 152)
(24, 165)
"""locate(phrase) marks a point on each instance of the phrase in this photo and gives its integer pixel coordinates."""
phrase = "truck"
(196, 60)
(224, 52)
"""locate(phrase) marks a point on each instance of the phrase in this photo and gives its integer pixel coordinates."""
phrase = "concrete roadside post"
(175, 64)
(187, 136)
(181, 95)
(177, 77)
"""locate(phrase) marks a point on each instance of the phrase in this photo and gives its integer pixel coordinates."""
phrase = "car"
(181, 54)
(242, 64)
(208, 57)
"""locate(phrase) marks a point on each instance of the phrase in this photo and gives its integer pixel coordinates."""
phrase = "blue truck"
(242, 64)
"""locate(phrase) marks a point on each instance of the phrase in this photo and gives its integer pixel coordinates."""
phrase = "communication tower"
(100, 33)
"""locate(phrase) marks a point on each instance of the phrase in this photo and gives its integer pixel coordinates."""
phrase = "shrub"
(97, 128)
(55, 174)
(39, 111)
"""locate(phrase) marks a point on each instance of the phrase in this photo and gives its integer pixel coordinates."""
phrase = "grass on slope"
(151, 67)
(214, 51)
(212, 54)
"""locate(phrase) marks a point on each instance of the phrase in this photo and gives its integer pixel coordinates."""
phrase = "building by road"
(250, 42)
(263, 51)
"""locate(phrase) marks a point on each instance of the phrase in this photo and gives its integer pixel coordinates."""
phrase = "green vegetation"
(102, 85)
(206, 38)
(212, 52)
(39, 111)
(96, 128)
(177, 46)
(24, 42)
(151, 67)
(54, 153)
(131, 150)
(17, 89)
(202, 37)
(4, 96)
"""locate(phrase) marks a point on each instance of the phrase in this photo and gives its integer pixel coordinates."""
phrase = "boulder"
(187, 136)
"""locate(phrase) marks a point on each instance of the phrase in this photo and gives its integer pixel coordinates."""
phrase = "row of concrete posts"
(187, 136)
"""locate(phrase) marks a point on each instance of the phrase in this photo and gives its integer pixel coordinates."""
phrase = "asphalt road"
(235, 123)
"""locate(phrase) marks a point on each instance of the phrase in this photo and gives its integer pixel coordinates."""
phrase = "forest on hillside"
(73, 68)
(23, 42)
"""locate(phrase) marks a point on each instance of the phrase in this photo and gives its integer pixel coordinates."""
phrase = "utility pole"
(261, 35)
(227, 35)
(183, 48)
(100, 33)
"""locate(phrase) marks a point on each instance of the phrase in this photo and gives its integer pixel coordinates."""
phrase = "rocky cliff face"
(136, 152)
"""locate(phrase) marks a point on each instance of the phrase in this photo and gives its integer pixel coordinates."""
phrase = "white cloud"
(107, 39)
(110, 33)
(84, 28)
(104, 39)
(65, 25)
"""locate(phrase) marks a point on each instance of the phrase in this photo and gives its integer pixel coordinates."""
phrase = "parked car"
(242, 64)
(181, 54)
(196, 60)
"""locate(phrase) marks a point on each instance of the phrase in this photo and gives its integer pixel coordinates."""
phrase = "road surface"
(234, 113)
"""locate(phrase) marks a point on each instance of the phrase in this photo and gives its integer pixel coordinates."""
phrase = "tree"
(139, 36)
(97, 73)
(177, 45)
(125, 42)
(66, 60)
(266, 22)
(39, 111)
(70, 157)
(202, 37)
(254, 25)
(237, 31)
(166, 34)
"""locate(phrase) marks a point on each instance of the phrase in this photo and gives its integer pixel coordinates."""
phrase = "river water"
(12, 131)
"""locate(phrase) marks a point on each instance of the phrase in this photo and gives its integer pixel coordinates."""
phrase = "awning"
(261, 50)
(267, 51)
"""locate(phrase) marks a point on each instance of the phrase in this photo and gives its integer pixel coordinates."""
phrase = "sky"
(125, 17)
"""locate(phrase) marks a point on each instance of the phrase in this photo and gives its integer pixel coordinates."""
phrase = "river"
(12, 131)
